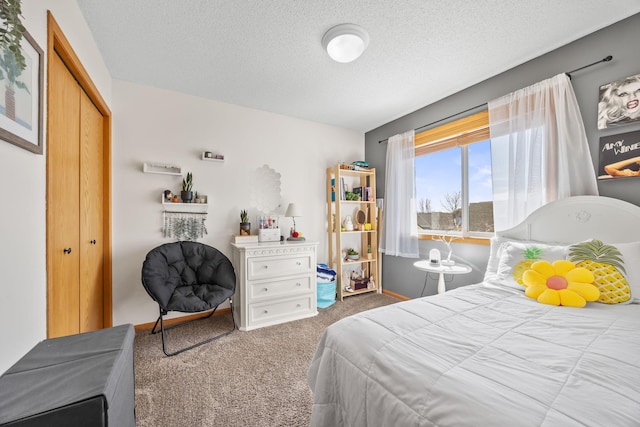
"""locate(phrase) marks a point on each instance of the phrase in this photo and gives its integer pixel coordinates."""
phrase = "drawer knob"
(298, 262)
(266, 312)
(265, 266)
(298, 284)
(298, 305)
(265, 289)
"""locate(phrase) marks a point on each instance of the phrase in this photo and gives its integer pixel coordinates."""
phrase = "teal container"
(326, 294)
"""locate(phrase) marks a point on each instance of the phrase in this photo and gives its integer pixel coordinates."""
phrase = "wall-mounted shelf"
(183, 207)
(216, 157)
(161, 168)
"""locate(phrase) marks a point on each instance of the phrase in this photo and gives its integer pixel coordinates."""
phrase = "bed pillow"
(495, 251)
(631, 255)
(516, 257)
(609, 265)
(560, 283)
(495, 247)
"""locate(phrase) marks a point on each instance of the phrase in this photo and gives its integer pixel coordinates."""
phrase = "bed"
(486, 354)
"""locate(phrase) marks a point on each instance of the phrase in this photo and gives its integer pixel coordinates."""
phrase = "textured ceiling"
(266, 54)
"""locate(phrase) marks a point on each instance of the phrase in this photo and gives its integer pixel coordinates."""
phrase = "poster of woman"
(619, 102)
(619, 156)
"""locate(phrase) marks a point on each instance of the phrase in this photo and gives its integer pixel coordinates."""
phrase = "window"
(453, 178)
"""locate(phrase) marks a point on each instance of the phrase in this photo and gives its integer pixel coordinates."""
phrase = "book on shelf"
(333, 189)
(342, 190)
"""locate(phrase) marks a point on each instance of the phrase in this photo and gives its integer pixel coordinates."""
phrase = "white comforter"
(479, 356)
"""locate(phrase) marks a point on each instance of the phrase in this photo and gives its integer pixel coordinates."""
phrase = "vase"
(186, 196)
(245, 228)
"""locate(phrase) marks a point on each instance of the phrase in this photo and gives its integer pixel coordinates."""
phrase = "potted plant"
(245, 225)
(369, 254)
(352, 254)
(187, 183)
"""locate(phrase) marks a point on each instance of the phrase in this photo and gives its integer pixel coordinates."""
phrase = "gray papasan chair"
(188, 277)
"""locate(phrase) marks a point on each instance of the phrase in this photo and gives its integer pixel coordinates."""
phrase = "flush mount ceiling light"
(345, 42)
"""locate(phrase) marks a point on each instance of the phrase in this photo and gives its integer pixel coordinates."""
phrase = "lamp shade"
(293, 210)
(345, 42)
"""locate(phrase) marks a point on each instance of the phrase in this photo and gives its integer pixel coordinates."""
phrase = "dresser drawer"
(278, 288)
(292, 309)
(261, 268)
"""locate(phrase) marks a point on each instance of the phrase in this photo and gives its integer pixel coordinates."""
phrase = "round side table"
(427, 266)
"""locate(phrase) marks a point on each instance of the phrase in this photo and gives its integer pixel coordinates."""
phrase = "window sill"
(469, 240)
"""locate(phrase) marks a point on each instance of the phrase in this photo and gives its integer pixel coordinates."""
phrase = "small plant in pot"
(187, 183)
(352, 254)
(369, 254)
(245, 225)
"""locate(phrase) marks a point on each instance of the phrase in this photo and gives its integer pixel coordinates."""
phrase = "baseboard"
(393, 294)
(181, 319)
(176, 320)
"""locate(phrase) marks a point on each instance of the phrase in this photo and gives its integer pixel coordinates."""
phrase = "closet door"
(78, 195)
(63, 206)
(91, 216)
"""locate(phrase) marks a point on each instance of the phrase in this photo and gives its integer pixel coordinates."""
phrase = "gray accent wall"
(619, 40)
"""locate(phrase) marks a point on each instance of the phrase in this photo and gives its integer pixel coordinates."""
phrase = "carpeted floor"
(256, 378)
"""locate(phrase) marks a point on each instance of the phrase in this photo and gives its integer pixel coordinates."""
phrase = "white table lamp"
(293, 211)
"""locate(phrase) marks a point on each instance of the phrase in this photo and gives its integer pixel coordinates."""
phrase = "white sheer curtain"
(400, 228)
(539, 150)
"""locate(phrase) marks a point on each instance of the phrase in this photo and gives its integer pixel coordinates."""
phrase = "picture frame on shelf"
(21, 97)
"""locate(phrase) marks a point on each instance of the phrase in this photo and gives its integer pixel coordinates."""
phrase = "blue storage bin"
(326, 294)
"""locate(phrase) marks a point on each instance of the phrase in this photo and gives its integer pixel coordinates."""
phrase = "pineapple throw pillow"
(517, 257)
(560, 283)
(606, 262)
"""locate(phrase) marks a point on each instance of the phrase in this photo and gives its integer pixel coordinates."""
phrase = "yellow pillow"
(560, 283)
(607, 264)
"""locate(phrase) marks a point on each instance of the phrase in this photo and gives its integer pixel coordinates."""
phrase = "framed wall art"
(619, 156)
(21, 96)
(619, 102)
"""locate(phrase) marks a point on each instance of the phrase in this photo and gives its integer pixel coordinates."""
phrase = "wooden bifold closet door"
(75, 205)
(78, 149)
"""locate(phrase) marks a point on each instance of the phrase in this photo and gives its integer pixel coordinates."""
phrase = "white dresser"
(276, 283)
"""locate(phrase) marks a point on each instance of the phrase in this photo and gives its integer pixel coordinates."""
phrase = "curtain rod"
(607, 59)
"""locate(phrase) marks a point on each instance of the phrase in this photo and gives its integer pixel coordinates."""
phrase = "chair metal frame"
(163, 312)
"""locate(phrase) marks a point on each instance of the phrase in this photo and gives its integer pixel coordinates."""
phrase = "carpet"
(255, 378)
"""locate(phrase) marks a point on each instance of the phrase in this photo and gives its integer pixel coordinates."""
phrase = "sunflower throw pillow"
(560, 283)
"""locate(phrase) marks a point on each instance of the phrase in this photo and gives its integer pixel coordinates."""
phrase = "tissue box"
(269, 235)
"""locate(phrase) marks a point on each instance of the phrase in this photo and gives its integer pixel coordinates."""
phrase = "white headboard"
(579, 218)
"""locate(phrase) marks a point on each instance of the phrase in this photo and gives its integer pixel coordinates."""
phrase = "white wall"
(22, 209)
(167, 127)
(152, 125)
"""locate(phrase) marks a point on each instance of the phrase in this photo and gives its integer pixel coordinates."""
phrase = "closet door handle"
(67, 250)
(93, 242)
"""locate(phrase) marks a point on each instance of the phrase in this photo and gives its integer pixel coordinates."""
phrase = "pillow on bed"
(560, 283)
(631, 255)
(497, 244)
(609, 265)
(495, 248)
(516, 257)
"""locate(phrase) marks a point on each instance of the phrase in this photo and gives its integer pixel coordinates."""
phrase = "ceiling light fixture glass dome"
(345, 42)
